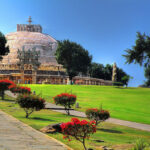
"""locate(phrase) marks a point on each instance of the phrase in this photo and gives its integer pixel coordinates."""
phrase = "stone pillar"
(22, 76)
(34, 77)
(114, 73)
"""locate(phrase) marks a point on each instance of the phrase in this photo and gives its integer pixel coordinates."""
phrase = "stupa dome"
(31, 36)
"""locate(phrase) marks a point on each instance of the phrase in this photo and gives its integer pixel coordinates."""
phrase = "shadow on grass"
(109, 130)
(124, 88)
(8, 100)
(42, 119)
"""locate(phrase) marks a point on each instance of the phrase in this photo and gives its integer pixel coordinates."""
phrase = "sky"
(106, 28)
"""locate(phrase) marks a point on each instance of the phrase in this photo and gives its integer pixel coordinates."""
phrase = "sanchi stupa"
(29, 37)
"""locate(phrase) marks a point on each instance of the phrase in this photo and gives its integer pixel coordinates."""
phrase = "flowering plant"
(30, 103)
(80, 130)
(98, 115)
(4, 85)
(19, 89)
(66, 100)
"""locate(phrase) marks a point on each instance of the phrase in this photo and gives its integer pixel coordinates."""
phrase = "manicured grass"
(112, 135)
(131, 104)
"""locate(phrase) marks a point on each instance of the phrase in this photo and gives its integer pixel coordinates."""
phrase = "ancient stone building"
(30, 36)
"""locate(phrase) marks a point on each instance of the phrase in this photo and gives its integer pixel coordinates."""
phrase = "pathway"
(15, 135)
(135, 125)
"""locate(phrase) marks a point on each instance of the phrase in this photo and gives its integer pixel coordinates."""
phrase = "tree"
(73, 57)
(108, 72)
(140, 54)
(98, 115)
(66, 100)
(30, 103)
(97, 71)
(125, 80)
(80, 130)
(147, 75)
(4, 85)
(3, 48)
(122, 77)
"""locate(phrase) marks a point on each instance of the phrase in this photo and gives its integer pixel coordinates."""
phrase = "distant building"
(30, 36)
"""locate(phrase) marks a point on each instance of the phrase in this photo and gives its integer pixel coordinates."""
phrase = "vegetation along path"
(15, 135)
(57, 108)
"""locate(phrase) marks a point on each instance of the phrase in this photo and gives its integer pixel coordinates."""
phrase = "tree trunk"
(27, 115)
(84, 144)
(2, 95)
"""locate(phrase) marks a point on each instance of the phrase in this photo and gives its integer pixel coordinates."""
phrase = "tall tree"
(96, 70)
(140, 53)
(147, 75)
(73, 57)
(3, 48)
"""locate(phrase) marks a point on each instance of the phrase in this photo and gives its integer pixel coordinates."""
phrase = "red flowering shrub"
(30, 103)
(20, 89)
(98, 115)
(4, 85)
(66, 100)
(80, 130)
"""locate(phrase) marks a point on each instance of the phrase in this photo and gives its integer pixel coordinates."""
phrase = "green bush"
(30, 103)
(117, 84)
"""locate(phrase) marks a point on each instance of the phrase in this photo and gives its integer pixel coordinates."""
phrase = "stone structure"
(31, 37)
(114, 73)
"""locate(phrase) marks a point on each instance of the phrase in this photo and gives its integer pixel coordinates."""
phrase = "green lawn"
(131, 104)
(118, 137)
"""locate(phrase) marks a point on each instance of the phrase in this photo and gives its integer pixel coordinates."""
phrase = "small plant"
(140, 144)
(30, 103)
(66, 100)
(80, 130)
(98, 115)
(4, 85)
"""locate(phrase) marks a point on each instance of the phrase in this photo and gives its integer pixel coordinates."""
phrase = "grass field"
(131, 104)
(118, 137)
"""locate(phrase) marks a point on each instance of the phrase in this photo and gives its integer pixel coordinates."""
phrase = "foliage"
(66, 100)
(97, 71)
(80, 130)
(30, 103)
(140, 145)
(140, 53)
(4, 85)
(20, 89)
(3, 48)
(98, 115)
(73, 57)
(117, 84)
(100, 71)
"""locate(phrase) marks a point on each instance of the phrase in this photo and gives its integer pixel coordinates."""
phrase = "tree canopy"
(73, 57)
(140, 52)
(3, 48)
(105, 72)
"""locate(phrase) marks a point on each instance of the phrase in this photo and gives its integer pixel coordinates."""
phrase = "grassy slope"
(131, 104)
(113, 135)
